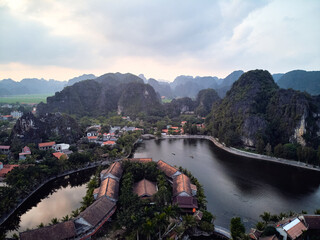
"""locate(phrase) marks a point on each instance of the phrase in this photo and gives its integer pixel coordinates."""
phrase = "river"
(56, 199)
(238, 186)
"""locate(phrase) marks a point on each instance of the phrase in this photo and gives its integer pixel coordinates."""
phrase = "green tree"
(260, 226)
(266, 216)
(268, 149)
(260, 146)
(237, 228)
(278, 150)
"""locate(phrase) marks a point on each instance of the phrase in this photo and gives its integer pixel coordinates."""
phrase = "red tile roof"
(93, 137)
(166, 168)
(64, 230)
(181, 184)
(58, 154)
(110, 188)
(295, 228)
(4, 147)
(115, 169)
(47, 144)
(97, 211)
(312, 221)
(145, 188)
(6, 169)
(185, 202)
(109, 143)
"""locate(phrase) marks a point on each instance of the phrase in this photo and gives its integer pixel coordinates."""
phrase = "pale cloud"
(161, 39)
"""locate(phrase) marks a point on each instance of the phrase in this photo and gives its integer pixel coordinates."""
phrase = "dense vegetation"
(302, 81)
(257, 114)
(153, 221)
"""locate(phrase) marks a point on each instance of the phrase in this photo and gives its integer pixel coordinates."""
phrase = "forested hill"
(256, 112)
(125, 93)
(302, 81)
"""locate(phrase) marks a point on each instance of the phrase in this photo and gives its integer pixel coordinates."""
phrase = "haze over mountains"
(182, 86)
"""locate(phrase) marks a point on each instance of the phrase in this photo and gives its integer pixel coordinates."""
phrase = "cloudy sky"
(61, 39)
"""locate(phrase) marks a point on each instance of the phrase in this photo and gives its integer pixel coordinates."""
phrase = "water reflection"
(238, 186)
(54, 200)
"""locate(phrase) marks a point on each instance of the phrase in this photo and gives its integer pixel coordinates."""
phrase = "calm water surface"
(55, 200)
(238, 186)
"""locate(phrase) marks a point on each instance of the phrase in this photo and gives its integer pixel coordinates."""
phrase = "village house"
(46, 146)
(145, 189)
(92, 138)
(16, 114)
(109, 143)
(4, 149)
(61, 147)
(292, 229)
(5, 169)
(59, 155)
(6, 117)
(25, 152)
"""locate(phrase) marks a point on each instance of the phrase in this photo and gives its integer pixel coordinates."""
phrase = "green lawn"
(27, 98)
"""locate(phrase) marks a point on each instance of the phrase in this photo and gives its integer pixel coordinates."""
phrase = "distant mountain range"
(37, 86)
(188, 86)
(182, 86)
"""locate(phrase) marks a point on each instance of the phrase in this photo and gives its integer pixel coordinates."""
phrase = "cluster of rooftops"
(106, 197)
(291, 228)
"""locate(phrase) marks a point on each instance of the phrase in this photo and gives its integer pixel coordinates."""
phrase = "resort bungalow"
(64, 230)
(109, 188)
(25, 152)
(93, 217)
(46, 146)
(169, 171)
(145, 189)
(182, 194)
(114, 171)
(4, 149)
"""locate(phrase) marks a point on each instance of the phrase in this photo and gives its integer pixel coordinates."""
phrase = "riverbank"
(4, 218)
(238, 152)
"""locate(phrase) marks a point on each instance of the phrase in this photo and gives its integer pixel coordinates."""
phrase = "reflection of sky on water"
(237, 186)
(56, 205)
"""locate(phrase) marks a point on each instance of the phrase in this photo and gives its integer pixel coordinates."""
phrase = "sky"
(61, 39)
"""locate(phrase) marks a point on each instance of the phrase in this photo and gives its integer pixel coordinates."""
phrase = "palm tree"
(148, 228)
(266, 217)
(65, 218)
(54, 221)
(189, 222)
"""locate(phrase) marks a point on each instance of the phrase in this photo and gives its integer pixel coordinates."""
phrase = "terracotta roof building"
(109, 188)
(4, 149)
(312, 221)
(64, 230)
(114, 171)
(145, 188)
(168, 170)
(293, 229)
(59, 155)
(187, 204)
(273, 237)
(5, 169)
(182, 186)
(94, 216)
(46, 146)
(254, 234)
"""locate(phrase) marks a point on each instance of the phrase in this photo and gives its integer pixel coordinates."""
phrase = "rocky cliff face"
(124, 93)
(256, 109)
(55, 127)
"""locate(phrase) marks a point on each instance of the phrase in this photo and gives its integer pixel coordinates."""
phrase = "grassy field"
(166, 100)
(27, 98)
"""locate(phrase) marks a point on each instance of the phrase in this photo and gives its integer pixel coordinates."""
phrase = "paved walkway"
(247, 154)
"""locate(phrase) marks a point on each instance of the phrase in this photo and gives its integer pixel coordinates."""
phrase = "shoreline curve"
(241, 153)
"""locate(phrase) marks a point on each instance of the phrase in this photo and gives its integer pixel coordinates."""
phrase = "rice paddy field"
(27, 98)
